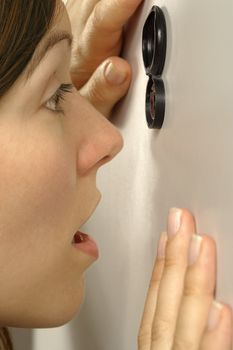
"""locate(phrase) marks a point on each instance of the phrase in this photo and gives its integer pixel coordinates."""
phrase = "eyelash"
(60, 95)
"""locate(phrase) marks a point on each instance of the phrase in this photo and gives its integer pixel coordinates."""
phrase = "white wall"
(188, 163)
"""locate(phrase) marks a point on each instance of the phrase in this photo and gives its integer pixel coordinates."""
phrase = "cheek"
(39, 185)
(42, 202)
(38, 209)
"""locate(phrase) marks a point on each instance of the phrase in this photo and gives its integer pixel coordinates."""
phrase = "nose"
(99, 140)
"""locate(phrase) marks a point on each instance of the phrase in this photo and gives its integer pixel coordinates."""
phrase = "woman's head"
(49, 162)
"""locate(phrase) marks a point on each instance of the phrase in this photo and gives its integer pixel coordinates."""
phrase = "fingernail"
(194, 249)
(174, 220)
(113, 75)
(214, 315)
(162, 245)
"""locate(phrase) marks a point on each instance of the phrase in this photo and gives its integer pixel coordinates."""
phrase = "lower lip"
(88, 246)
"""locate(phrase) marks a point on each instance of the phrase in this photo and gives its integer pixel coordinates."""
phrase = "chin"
(50, 315)
(50, 319)
(65, 313)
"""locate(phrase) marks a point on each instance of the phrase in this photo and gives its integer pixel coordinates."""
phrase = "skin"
(179, 300)
(48, 190)
(93, 49)
(36, 256)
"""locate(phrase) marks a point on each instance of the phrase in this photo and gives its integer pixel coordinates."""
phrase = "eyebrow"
(45, 46)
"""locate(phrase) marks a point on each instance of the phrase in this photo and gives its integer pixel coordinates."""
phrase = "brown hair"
(5, 340)
(23, 23)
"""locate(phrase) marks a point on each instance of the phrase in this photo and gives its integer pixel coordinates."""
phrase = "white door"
(188, 163)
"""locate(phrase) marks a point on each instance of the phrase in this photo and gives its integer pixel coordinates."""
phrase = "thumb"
(108, 84)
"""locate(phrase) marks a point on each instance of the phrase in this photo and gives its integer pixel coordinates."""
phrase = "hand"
(97, 27)
(179, 312)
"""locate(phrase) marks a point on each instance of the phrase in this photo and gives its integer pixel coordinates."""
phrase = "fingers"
(181, 294)
(181, 227)
(166, 283)
(102, 17)
(79, 11)
(199, 285)
(144, 336)
(101, 37)
(109, 83)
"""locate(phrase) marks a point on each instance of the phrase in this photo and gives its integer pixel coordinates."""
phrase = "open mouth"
(80, 237)
(86, 243)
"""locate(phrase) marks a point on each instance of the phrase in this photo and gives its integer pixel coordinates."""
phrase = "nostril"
(105, 160)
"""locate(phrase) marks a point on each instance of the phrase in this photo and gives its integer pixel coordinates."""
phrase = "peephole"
(155, 103)
(154, 45)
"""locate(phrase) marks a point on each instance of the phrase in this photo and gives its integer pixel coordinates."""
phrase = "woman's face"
(48, 190)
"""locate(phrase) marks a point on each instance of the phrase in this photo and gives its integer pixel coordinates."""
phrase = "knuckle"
(198, 283)
(96, 95)
(155, 281)
(78, 50)
(171, 262)
(97, 17)
(101, 23)
(196, 290)
(157, 273)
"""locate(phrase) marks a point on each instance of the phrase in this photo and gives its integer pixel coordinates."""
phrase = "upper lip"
(92, 210)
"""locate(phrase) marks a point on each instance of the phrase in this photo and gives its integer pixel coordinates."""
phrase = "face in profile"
(49, 161)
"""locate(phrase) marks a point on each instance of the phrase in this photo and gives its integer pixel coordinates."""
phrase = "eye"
(53, 103)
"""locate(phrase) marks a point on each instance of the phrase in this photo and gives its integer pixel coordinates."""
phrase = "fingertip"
(188, 220)
(188, 214)
(210, 242)
(225, 326)
(120, 64)
(221, 336)
(225, 317)
(113, 75)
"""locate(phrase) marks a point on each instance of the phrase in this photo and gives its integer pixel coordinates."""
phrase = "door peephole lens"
(154, 44)
(155, 103)
(148, 41)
